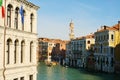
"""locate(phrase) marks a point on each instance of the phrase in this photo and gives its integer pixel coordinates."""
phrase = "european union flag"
(22, 14)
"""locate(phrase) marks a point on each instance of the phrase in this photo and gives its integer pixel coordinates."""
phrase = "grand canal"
(61, 73)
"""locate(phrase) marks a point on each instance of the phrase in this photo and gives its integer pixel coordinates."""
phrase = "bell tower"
(71, 34)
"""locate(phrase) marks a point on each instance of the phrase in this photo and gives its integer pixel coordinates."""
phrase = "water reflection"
(61, 73)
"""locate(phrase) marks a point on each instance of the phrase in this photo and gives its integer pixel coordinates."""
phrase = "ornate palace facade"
(18, 41)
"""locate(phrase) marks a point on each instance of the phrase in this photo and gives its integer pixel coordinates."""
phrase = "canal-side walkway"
(61, 73)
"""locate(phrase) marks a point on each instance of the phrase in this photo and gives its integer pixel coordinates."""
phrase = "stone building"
(18, 41)
(107, 49)
(52, 49)
(77, 50)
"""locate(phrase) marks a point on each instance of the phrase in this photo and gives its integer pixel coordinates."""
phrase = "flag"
(3, 9)
(22, 14)
(1, 2)
(3, 12)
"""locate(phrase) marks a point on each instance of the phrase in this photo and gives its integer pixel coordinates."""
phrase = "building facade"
(52, 49)
(77, 50)
(105, 44)
(74, 50)
(89, 47)
(18, 41)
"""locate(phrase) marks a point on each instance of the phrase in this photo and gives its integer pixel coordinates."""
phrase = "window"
(101, 48)
(16, 18)
(22, 78)
(23, 24)
(8, 50)
(31, 50)
(31, 22)
(95, 50)
(112, 50)
(88, 42)
(101, 37)
(104, 37)
(107, 62)
(31, 77)
(15, 51)
(96, 38)
(103, 61)
(22, 51)
(107, 37)
(104, 50)
(9, 10)
(112, 37)
(15, 79)
(112, 62)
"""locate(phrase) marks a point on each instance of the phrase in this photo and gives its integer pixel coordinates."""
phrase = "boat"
(49, 64)
(54, 63)
(66, 66)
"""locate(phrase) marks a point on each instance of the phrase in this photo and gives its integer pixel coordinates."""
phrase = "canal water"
(61, 73)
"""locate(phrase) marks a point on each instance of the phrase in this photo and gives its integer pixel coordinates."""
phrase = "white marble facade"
(104, 54)
(18, 59)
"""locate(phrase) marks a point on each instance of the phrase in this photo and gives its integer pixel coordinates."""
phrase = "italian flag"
(3, 10)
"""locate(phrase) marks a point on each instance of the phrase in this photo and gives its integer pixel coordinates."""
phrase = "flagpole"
(4, 67)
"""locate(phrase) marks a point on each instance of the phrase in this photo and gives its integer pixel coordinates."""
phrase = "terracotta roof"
(85, 37)
(52, 40)
(78, 38)
(116, 27)
(90, 36)
(106, 28)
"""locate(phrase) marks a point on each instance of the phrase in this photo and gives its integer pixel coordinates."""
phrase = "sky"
(54, 16)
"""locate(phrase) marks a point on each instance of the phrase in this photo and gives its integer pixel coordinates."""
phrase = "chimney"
(118, 22)
(119, 25)
(105, 27)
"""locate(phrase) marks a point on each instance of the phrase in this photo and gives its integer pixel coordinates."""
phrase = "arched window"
(23, 21)
(30, 77)
(9, 41)
(31, 22)
(22, 51)
(101, 48)
(107, 36)
(15, 51)
(112, 37)
(31, 51)
(9, 10)
(16, 17)
(112, 61)
(88, 42)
